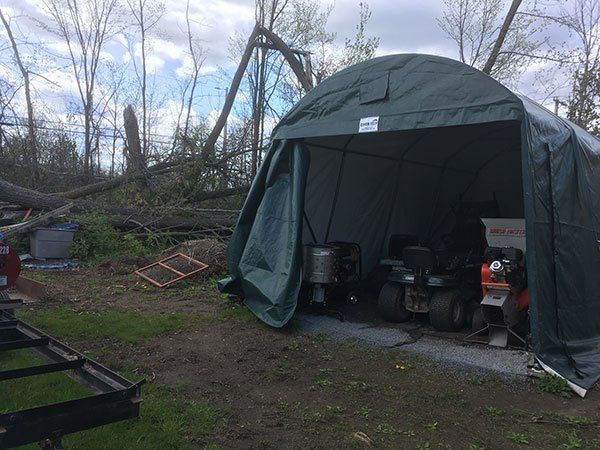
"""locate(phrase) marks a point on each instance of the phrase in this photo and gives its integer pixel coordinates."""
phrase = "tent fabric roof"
(406, 92)
(560, 168)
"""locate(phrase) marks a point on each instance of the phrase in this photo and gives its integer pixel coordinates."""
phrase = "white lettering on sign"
(368, 124)
(4, 249)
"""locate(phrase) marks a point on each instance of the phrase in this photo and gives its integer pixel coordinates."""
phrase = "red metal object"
(163, 264)
(486, 277)
(10, 266)
(486, 283)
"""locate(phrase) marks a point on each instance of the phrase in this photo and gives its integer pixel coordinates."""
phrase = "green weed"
(573, 442)
(476, 380)
(554, 385)
(492, 410)
(323, 383)
(432, 426)
(518, 438)
(97, 239)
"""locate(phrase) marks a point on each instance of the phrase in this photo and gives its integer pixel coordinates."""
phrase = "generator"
(331, 266)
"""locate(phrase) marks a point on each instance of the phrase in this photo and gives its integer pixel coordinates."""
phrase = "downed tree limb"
(108, 185)
(44, 219)
(124, 218)
(28, 198)
(221, 193)
(508, 20)
(304, 78)
(232, 93)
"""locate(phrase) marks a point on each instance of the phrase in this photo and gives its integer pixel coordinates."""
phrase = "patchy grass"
(123, 326)
(306, 391)
(167, 419)
(235, 311)
(554, 385)
(34, 391)
(37, 275)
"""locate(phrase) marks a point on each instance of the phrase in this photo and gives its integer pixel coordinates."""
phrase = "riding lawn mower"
(441, 279)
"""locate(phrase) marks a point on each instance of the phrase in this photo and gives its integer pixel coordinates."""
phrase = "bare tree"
(196, 54)
(582, 19)
(84, 27)
(501, 44)
(32, 152)
(146, 14)
(293, 52)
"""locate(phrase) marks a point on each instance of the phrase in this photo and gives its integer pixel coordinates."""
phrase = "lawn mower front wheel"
(447, 310)
(391, 302)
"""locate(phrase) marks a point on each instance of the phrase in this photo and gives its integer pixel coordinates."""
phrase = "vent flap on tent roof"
(374, 87)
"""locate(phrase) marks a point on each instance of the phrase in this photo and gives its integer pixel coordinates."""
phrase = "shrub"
(97, 239)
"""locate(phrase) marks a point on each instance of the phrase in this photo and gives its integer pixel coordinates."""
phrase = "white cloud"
(154, 63)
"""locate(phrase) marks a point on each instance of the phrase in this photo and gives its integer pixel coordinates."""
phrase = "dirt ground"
(285, 389)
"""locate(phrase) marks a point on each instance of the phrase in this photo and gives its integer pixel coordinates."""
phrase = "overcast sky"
(401, 25)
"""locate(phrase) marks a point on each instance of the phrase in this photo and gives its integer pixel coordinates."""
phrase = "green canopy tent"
(387, 146)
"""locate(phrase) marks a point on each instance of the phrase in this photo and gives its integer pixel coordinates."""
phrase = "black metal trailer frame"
(112, 399)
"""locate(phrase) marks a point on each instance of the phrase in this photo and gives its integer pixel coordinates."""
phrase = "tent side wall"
(562, 196)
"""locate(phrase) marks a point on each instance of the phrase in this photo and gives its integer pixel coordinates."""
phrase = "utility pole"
(556, 105)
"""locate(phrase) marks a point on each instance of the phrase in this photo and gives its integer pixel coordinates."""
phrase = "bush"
(134, 246)
(97, 239)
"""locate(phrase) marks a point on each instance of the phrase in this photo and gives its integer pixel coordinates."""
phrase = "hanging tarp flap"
(264, 254)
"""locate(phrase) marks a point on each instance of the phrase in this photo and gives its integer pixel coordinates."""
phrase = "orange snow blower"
(505, 303)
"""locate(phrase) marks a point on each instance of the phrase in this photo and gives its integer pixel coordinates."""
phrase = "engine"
(504, 285)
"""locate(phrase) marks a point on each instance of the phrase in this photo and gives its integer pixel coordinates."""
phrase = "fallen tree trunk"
(220, 193)
(278, 44)
(108, 185)
(28, 198)
(22, 227)
(124, 218)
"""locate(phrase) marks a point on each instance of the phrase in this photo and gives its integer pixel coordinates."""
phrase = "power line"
(79, 132)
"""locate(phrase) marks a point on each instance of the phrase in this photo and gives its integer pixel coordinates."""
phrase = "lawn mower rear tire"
(391, 303)
(447, 310)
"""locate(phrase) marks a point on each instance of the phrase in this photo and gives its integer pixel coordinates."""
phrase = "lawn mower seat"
(398, 242)
(420, 259)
